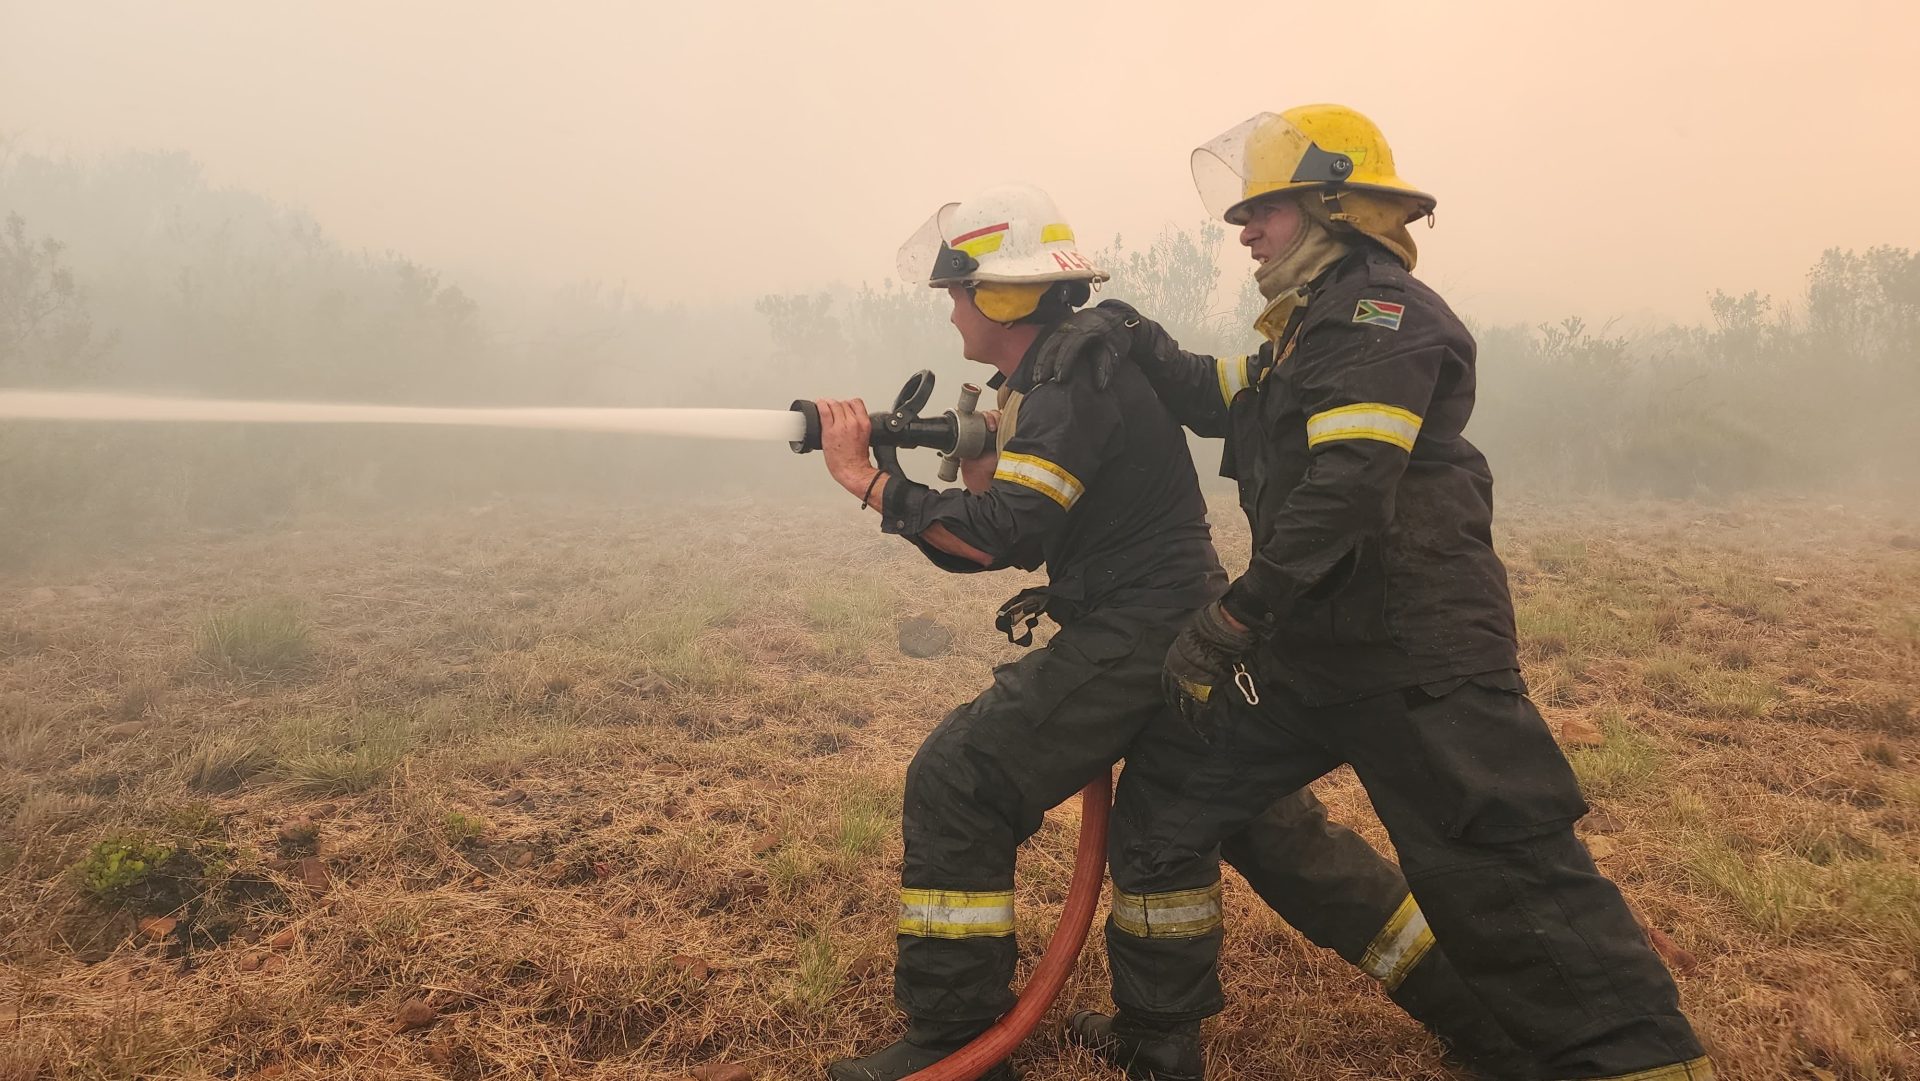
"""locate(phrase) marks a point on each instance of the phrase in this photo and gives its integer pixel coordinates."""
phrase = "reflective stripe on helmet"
(980, 241)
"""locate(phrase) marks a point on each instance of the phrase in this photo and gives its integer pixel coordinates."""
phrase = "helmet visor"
(1220, 166)
(925, 258)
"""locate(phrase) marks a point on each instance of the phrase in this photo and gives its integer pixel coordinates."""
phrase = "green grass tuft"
(257, 640)
(1625, 762)
(866, 822)
(463, 829)
(848, 620)
(222, 763)
(331, 758)
(818, 973)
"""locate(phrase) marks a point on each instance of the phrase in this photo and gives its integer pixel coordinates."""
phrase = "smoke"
(133, 273)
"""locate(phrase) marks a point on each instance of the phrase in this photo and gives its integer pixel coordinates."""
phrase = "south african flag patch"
(1380, 313)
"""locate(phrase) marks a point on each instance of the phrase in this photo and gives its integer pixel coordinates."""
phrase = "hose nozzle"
(958, 434)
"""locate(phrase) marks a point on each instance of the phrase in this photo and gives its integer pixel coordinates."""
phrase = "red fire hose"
(1083, 896)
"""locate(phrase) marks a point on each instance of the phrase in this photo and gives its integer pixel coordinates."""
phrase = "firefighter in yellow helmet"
(1373, 627)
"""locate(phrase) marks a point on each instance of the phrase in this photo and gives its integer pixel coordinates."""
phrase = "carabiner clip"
(1244, 681)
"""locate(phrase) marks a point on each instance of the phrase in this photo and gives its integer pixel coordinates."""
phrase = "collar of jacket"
(1282, 316)
(1021, 381)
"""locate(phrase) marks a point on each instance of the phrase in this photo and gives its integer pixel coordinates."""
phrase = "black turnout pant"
(1480, 805)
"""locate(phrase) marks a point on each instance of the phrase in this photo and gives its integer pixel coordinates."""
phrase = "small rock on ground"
(922, 637)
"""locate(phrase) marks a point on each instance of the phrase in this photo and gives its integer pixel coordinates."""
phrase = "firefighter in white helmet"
(1373, 627)
(1093, 479)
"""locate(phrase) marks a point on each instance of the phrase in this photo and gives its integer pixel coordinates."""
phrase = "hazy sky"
(1607, 159)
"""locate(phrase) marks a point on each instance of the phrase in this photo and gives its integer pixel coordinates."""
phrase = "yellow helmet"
(1309, 148)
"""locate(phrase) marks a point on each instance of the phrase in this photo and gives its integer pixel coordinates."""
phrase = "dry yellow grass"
(616, 795)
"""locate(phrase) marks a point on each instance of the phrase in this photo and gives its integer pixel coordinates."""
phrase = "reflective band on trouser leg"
(1399, 946)
(1695, 1070)
(956, 914)
(1233, 376)
(1042, 476)
(1368, 420)
(1183, 914)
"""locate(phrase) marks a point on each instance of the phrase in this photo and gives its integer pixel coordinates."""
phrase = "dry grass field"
(615, 795)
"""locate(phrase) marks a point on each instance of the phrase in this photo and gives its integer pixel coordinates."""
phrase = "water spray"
(693, 423)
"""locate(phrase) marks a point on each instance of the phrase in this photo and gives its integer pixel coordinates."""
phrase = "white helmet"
(1009, 234)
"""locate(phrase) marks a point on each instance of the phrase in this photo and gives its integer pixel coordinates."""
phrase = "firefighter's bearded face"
(977, 332)
(1272, 227)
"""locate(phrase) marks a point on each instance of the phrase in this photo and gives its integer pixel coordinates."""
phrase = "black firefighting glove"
(1207, 655)
(1097, 336)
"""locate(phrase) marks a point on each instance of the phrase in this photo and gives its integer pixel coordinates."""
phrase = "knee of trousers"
(1292, 827)
(957, 815)
(1143, 860)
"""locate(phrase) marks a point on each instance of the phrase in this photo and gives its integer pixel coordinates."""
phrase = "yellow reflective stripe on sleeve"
(1368, 420)
(1399, 946)
(1693, 1070)
(956, 914)
(1042, 476)
(1233, 376)
(1182, 914)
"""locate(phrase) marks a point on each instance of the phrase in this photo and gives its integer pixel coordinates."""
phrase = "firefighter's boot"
(1147, 1051)
(925, 1043)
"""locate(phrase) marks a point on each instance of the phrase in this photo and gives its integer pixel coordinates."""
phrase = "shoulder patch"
(1380, 313)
